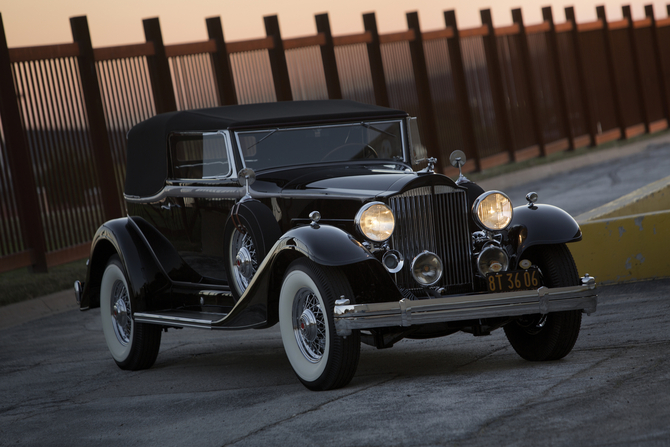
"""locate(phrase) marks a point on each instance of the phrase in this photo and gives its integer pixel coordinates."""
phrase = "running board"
(182, 318)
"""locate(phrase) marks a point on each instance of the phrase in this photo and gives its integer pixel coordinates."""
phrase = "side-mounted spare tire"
(249, 234)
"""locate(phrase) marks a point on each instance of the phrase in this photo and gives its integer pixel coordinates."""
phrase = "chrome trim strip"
(166, 320)
(464, 307)
(204, 192)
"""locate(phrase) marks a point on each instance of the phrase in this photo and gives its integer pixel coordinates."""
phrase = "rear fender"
(541, 225)
(146, 279)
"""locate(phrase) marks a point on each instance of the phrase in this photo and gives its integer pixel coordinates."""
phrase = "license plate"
(513, 280)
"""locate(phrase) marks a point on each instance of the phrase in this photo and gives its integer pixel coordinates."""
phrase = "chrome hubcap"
(121, 321)
(309, 325)
(245, 263)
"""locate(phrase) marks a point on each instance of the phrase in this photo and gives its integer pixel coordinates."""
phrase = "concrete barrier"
(623, 249)
(627, 239)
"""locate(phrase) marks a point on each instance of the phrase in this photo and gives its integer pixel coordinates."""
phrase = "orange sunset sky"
(118, 22)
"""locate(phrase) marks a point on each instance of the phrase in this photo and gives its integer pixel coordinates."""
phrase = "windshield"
(292, 146)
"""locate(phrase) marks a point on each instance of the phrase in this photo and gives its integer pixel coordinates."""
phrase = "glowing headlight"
(375, 221)
(492, 210)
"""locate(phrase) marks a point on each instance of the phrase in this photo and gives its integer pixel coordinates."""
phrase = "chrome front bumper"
(465, 307)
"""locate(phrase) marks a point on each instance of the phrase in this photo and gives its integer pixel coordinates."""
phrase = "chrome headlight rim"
(359, 218)
(477, 203)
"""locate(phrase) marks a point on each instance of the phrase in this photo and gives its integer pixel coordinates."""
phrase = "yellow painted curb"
(653, 197)
(624, 249)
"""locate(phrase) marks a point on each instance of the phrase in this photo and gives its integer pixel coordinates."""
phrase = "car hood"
(348, 180)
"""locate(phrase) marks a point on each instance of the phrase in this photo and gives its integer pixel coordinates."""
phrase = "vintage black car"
(327, 218)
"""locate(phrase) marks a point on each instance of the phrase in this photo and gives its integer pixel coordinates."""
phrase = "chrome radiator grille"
(433, 218)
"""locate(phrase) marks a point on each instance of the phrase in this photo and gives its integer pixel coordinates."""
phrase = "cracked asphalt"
(60, 387)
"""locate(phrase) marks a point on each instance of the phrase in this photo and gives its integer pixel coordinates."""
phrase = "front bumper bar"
(406, 312)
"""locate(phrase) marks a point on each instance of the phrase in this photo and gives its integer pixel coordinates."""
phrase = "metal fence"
(501, 94)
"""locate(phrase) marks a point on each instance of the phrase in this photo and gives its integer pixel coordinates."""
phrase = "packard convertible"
(328, 218)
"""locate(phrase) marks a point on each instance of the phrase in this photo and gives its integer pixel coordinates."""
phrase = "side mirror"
(249, 177)
(457, 160)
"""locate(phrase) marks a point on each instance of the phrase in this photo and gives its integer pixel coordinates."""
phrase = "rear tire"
(133, 346)
(552, 336)
(321, 359)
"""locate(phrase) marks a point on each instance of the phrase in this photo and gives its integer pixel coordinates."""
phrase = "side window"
(198, 156)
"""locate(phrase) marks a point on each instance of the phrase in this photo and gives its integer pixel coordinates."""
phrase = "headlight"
(375, 221)
(492, 210)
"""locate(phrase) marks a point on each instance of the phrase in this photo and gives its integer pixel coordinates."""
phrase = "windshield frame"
(368, 124)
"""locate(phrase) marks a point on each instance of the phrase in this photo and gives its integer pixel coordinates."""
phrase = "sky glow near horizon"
(46, 22)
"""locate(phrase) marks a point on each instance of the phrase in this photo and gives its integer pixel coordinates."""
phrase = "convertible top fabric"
(147, 141)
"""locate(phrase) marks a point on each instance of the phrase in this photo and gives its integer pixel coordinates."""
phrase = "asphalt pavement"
(61, 387)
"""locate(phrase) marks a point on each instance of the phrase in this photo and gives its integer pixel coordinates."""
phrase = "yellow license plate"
(513, 280)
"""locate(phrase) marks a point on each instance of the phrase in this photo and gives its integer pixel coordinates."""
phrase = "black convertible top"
(147, 141)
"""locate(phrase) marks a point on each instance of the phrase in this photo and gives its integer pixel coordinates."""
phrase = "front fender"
(145, 276)
(543, 224)
(325, 245)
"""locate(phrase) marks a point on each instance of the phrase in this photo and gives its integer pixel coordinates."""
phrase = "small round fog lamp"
(427, 268)
(492, 260)
(393, 261)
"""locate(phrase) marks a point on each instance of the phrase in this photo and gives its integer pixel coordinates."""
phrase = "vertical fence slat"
(278, 60)
(461, 90)
(616, 94)
(662, 81)
(495, 81)
(376, 63)
(422, 85)
(644, 110)
(517, 18)
(552, 44)
(221, 63)
(20, 162)
(102, 152)
(328, 58)
(159, 68)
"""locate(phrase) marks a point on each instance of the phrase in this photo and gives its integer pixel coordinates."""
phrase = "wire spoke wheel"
(321, 359)
(309, 325)
(133, 345)
(244, 259)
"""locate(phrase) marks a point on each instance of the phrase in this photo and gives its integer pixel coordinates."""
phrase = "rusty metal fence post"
(159, 69)
(637, 75)
(328, 58)
(422, 85)
(663, 82)
(616, 95)
(497, 90)
(282, 81)
(221, 63)
(95, 113)
(20, 163)
(552, 44)
(461, 90)
(526, 62)
(376, 63)
(581, 75)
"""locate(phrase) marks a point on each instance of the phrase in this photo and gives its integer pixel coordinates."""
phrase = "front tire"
(551, 336)
(133, 346)
(321, 359)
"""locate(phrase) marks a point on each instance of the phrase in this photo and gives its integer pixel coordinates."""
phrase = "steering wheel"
(355, 149)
